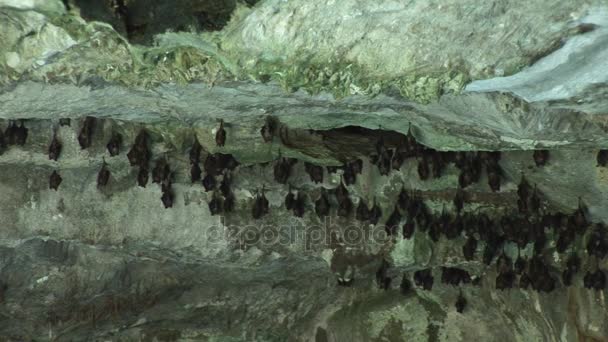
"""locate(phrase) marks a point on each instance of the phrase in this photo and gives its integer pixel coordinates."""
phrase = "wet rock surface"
(404, 223)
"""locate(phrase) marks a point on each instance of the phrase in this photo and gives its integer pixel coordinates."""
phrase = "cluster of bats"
(530, 224)
(522, 228)
(140, 156)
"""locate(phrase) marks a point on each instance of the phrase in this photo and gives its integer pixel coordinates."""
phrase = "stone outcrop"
(336, 79)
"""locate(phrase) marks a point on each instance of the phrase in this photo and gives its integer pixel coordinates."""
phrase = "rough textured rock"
(90, 262)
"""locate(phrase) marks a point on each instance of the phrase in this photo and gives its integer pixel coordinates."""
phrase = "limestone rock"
(331, 82)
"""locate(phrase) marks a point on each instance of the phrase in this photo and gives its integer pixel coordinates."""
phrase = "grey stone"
(111, 263)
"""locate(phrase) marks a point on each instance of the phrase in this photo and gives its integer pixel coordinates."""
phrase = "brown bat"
(86, 132)
(54, 180)
(220, 135)
(103, 176)
(54, 148)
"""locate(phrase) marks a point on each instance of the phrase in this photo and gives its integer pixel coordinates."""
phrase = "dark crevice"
(140, 20)
(212, 21)
(251, 3)
(66, 4)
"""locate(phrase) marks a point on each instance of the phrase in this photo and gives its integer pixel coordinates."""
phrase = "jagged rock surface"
(111, 263)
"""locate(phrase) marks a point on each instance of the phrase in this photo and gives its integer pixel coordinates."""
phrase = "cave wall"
(85, 262)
